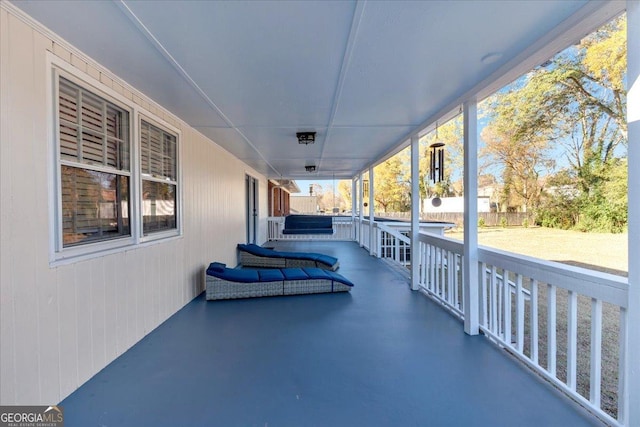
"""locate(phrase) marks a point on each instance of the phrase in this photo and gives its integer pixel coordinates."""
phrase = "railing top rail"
(446, 243)
(595, 284)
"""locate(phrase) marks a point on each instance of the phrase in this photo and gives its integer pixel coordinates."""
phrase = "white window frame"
(157, 235)
(56, 68)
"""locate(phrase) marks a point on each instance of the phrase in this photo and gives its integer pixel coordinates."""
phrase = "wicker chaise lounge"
(229, 283)
(257, 256)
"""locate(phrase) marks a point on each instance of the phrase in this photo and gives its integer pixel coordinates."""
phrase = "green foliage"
(525, 223)
(578, 99)
(605, 208)
(602, 208)
(481, 222)
(503, 222)
(391, 191)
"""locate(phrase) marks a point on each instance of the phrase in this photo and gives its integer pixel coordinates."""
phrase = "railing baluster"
(534, 321)
(596, 351)
(519, 314)
(484, 295)
(551, 330)
(572, 339)
(623, 411)
(506, 293)
(432, 269)
(436, 278)
(494, 301)
(462, 280)
(450, 286)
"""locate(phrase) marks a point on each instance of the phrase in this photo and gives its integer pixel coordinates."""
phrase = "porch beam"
(470, 263)
(415, 213)
(632, 362)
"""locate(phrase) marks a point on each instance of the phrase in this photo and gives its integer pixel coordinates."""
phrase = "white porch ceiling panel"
(249, 75)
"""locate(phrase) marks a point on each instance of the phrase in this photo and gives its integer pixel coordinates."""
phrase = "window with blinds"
(94, 166)
(158, 168)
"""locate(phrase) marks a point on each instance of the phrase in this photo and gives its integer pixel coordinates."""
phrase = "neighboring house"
(280, 196)
(453, 204)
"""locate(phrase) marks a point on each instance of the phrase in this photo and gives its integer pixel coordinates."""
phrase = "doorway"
(251, 185)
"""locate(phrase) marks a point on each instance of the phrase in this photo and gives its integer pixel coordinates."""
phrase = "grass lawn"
(598, 251)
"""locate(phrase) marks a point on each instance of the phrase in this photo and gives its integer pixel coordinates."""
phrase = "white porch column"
(372, 234)
(361, 209)
(415, 213)
(470, 267)
(354, 235)
(632, 403)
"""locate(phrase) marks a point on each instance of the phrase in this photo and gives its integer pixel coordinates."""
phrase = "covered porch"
(380, 355)
(117, 331)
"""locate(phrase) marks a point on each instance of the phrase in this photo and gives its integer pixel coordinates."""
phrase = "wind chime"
(436, 158)
(436, 165)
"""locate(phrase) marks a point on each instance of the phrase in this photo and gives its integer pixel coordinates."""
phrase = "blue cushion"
(235, 275)
(271, 275)
(307, 231)
(294, 274)
(308, 224)
(217, 267)
(339, 278)
(326, 259)
(316, 273)
(259, 251)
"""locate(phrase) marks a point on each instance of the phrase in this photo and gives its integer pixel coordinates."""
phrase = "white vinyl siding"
(62, 321)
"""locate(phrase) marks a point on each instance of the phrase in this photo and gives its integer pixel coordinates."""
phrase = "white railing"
(558, 319)
(563, 321)
(343, 229)
(440, 269)
(364, 227)
(567, 323)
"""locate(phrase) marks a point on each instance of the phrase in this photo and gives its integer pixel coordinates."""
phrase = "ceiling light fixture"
(310, 168)
(306, 137)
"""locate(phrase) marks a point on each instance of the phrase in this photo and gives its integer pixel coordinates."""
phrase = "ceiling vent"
(306, 137)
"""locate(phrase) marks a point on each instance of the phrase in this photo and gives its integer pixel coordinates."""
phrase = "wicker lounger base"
(223, 289)
(251, 260)
(297, 287)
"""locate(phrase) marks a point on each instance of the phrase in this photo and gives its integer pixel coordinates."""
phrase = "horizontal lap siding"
(61, 325)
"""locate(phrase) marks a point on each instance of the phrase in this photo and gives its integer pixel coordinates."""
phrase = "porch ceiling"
(364, 75)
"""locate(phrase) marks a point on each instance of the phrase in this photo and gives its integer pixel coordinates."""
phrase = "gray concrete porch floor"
(380, 355)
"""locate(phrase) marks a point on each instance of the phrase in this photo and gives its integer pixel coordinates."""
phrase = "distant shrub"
(525, 223)
(503, 222)
(481, 222)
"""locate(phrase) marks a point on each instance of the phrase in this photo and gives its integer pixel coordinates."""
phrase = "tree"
(344, 188)
(391, 191)
(524, 160)
(577, 100)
